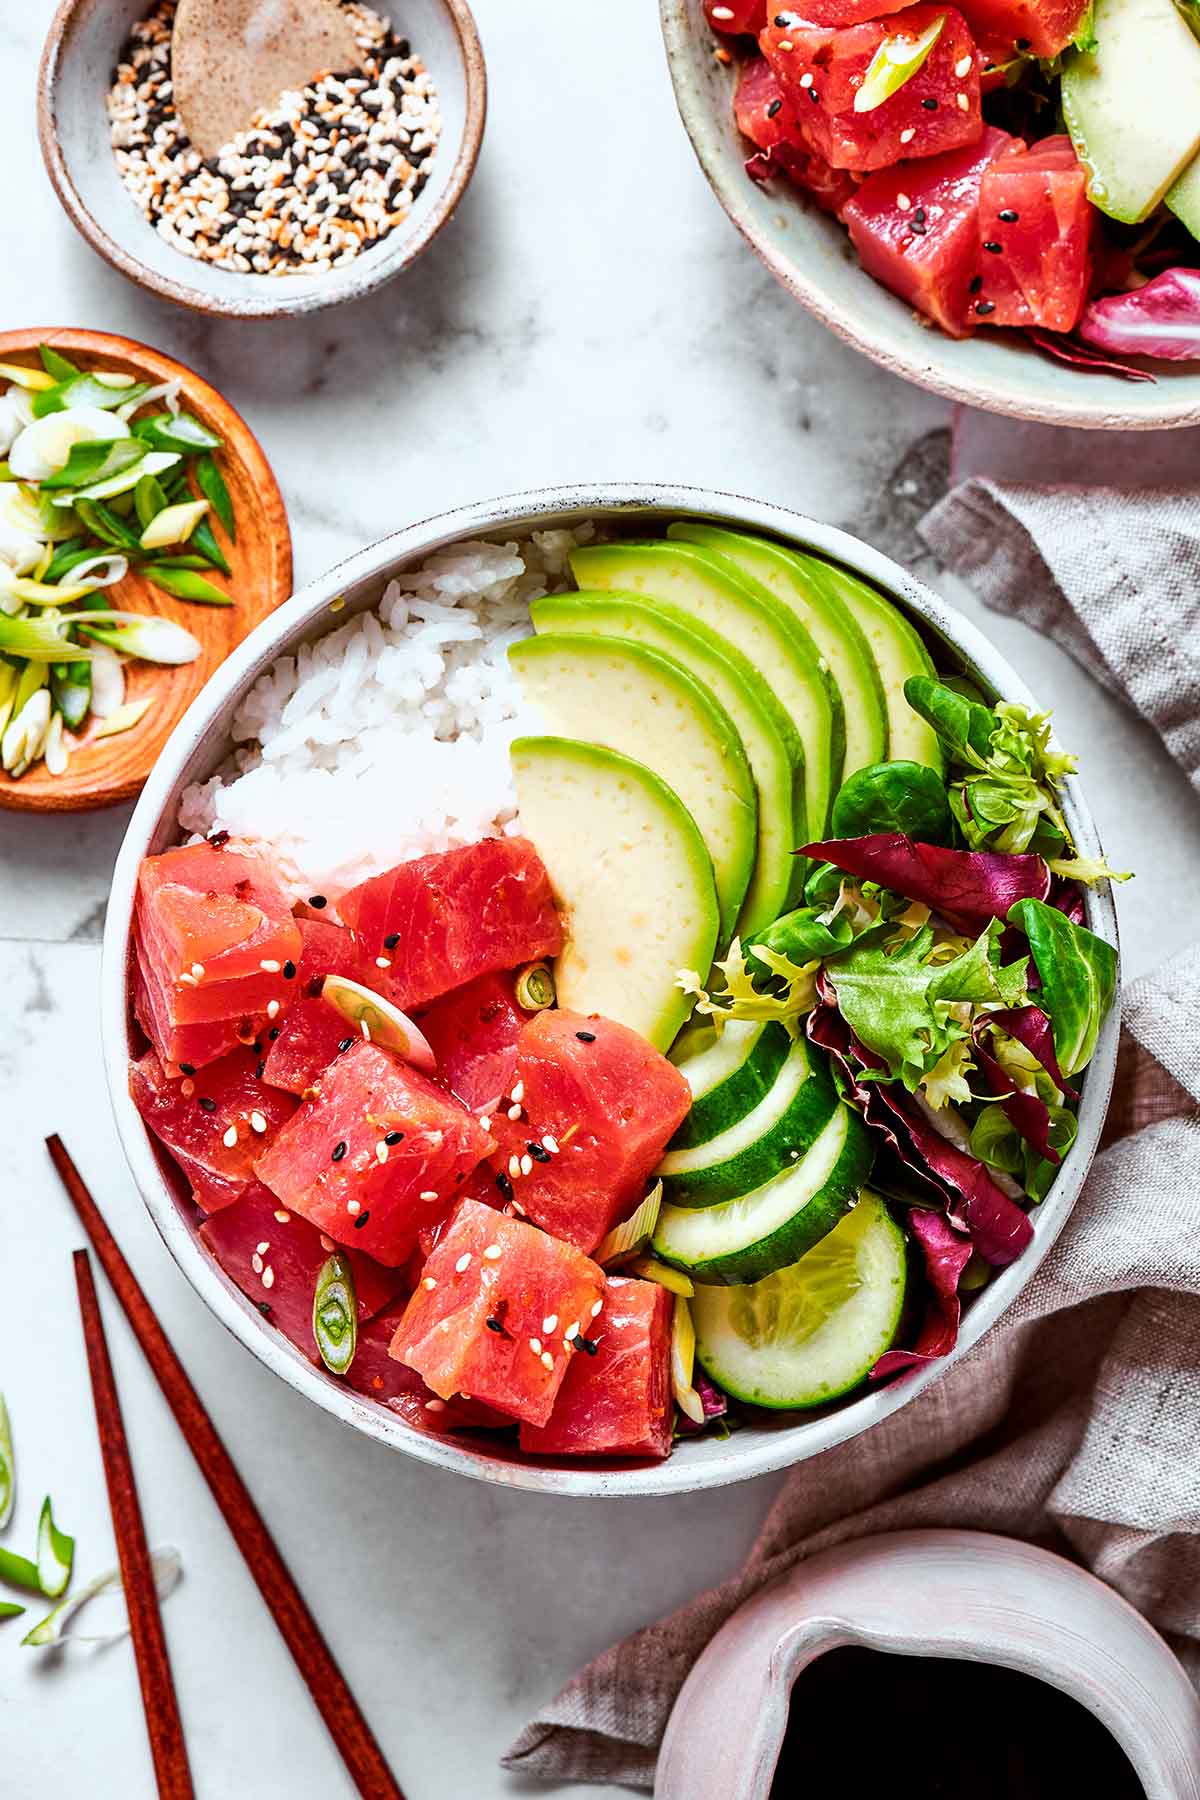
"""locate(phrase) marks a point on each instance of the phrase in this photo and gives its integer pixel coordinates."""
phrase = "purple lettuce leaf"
(946, 1255)
(969, 888)
(1026, 1113)
(711, 1399)
(1160, 319)
(1083, 356)
(1031, 1027)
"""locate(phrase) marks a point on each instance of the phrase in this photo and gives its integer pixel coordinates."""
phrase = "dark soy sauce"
(868, 1726)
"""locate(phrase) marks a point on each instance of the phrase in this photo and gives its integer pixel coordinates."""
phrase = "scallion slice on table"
(18, 1571)
(8, 1467)
(335, 1315)
(55, 1554)
(54, 1628)
(9, 1609)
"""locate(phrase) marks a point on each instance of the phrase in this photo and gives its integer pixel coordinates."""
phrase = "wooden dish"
(104, 773)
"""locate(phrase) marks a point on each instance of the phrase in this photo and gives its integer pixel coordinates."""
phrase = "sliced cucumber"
(768, 1139)
(812, 1331)
(747, 1238)
(728, 1075)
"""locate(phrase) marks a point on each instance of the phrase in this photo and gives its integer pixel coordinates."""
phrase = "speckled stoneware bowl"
(199, 743)
(960, 1595)
(812, 256)
(82, 49)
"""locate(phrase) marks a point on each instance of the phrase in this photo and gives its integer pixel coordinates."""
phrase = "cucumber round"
(728, 1075)
(768, 1139)
(744, 1239)
(810, 1332)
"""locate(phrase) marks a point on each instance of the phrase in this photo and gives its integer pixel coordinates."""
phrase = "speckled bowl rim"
(1011, 398)
(368, 272)
(201, 731)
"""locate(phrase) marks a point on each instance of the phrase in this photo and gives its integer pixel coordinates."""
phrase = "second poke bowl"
(497, 1069)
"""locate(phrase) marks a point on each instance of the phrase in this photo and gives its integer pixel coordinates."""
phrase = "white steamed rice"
(388, 738)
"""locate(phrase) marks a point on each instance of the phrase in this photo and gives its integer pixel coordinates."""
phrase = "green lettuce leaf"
(1079, 977)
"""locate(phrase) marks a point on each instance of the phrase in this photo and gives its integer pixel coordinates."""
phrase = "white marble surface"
(590, 314)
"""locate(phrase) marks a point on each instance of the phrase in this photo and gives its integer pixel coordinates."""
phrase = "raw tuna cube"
(822, 69)
(916, 229)
(329, 949)
(766, 117)
(378, 1376)
(195, 1045)
(442, 920)
(617, 1402)
(214, 936)
(736, 16)
(1036, 27)
(275, 1257)
(378, 1153)
(836, 12)
(537, 1292)
(1035, 226)
(310, 1037)
(194, 1117)
(473, 1034)
(607, 1102)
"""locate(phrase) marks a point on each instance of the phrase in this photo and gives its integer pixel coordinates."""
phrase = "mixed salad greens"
(95, 483)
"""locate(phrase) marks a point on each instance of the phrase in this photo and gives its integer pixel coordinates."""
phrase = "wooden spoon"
(229, 58)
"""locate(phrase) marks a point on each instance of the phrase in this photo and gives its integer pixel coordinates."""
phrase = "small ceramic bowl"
(81, 51)
(962, 1595)
(811, 255)
(200, 743)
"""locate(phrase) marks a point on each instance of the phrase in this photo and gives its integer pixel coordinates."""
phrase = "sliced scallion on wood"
(204, 540)
(183, 433)
(92, 461)
(631, 1238)
(174, 524)
(335, 1315)
(123, 718)
(55, 1554)
(535, 987)
(149, 636)
(211, 483)
(8, 1467)
(895, 62)
(56, 364)
(34, 381)
(185, 585)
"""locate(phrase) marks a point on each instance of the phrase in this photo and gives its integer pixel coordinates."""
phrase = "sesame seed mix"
(316, 178)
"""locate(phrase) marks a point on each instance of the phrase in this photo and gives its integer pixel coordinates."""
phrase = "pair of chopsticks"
(362, 1756)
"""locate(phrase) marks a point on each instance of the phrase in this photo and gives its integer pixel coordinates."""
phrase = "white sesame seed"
(188, 980)
(429, 1284)
(257, 1121)
(269, 966)
(464, 1262)
(230, 1138)
(527, 1165)
(572, 1331)
(514, 1166)
(806, 79)
(256, 1263)
(327, 1244)
(264, 1247)
(428, 1194)
(963, 103)
(383, 962)
(283, 1217)
(535, 1344)
(514, 1112)
(435, 1406)
(550, 1144)
(518, 1093)
(596, 1308)
(198, 971)
(722, 12)
(353, 1206)
(366, 1029)
(485, 1123)
(903, 202)
(272, 1009)
(493, 1252)
(268, 1279)
(547, 1359)
(962, 67)
(550, 1323)
(907, 135)
(519, 1209)
(381, 1151)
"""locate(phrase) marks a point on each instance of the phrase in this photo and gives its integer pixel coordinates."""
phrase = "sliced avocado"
(635, 700)
(629, 866)
(795, 580)
(771, 637)
(746, 698)
(1184, 198)
(1132, 105)
(898, 652)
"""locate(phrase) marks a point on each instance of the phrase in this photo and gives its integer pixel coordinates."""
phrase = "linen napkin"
(1074, 1422)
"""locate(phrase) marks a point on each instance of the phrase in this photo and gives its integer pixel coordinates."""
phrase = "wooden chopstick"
(336, 1704)
(164, 1727)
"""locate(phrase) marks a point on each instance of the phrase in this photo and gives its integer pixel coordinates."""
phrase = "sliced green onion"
(182, 432)
(10, 1610)
(55, 1554)
(148, 636)
(93, 460)
(32, 677)
(8, 1467)
(69, 554)
(148, 499)
(124, 718)
(108, 682)
(55, 363)
(34, 381)
(204, 540)
(378, 1020)
(186, 586)
(6, 473)
(114, 378)
(54, 752)
(9, 676)
(18, 1571)
(535, 987)
(335, 1315)
(683, 1362)
(629, 1239)
(71, 692)
(154, 463)
(650, 1269)
(25, 733)
(37, 640)
(896, 61)
(173, 525)
(88, 390)
(211, 483)
(167, 1566)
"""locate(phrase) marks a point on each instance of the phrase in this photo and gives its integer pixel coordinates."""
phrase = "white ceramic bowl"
(961, 1595)
(82, 49)
(812, 256)
(198, 744)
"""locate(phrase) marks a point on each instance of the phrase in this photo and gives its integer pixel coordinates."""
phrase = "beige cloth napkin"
(1074, 1423)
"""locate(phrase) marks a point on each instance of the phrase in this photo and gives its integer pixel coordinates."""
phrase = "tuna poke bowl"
(611, 991)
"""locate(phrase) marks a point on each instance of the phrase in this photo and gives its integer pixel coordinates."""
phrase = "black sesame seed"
(313, 986)
(498, 1326)
(984, 307)
(975, 283)
(919, 214)
(218, 838)
(929, 103)
(206, 1105)
(1008, 216)
(361, 1220)
(289, 970)
(317, 901)
(391, 940)
(339, 1150)
(918, 226)
(1022, 43)
(345, 1045)
(394, 1137)
(187, 1068)
(504, 1185)
(274, 1032)
(774, 108)
(538, 1152)
(993, 247)
(813, 96)
(783, 20)
(259, 1069)
(264, 1307)
(586, 1037)
(587, 1344)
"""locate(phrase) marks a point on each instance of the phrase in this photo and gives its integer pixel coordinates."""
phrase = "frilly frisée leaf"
(55, 1628)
